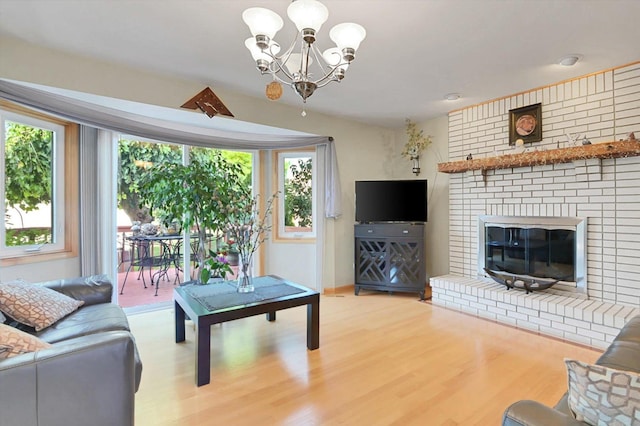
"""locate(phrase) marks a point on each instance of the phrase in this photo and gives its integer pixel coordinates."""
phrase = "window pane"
(241, 158)
(135, 157)
(28, 185)
(298, 194)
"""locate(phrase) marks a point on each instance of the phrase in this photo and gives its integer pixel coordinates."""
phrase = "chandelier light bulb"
(347, 34)
(308, 14)
(262, 22)
(259, 55)
(348, 37)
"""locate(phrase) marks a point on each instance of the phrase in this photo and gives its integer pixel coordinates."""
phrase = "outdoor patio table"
(144, 255)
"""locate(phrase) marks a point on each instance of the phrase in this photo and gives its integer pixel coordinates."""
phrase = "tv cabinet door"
(405, 262)
(390, 257)
(371, 261)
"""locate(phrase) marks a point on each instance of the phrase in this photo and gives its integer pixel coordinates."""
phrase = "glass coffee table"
(216, 303)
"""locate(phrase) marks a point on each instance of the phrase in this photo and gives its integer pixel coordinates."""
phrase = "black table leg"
(179, 313)
(203, 354)
(313, 325)
(271, 316)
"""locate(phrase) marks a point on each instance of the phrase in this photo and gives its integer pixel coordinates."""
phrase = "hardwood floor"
(383, 360)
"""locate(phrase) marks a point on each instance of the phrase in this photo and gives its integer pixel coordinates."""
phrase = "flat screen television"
(391, 201)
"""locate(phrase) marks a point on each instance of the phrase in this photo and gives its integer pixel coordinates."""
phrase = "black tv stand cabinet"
(390, 257)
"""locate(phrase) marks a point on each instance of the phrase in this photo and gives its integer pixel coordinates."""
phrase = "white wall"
(437, 233)
(44, 271)
(364, 151)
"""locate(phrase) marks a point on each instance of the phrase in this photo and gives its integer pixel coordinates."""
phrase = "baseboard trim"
(350, 288)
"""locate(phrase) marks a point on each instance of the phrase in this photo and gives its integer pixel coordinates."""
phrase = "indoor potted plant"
(416, 143)
(247, 227)
(197, 196)
(215, 266)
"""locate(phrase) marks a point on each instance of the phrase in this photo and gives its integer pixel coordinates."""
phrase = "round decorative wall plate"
(526, 124)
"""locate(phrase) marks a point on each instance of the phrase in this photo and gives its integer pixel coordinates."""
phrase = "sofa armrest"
(91, 289)
(89, 380)
(532, 413)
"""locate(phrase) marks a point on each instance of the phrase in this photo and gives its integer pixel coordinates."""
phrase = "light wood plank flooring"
(383, 360)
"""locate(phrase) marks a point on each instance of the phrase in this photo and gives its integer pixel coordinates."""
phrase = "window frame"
(281, 235)
(65, 187)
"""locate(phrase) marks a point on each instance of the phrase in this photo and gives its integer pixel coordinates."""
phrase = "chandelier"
(294, 67)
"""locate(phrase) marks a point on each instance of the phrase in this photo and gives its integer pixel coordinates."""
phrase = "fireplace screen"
(553, 248)
(536, 252)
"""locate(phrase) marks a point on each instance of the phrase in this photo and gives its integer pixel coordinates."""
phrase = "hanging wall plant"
(416, 143)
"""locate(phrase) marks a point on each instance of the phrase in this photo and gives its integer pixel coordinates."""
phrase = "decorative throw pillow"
(603, 396)
(15, 342)
(35, 305)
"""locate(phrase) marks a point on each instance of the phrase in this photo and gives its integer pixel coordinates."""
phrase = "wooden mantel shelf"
(540, 158)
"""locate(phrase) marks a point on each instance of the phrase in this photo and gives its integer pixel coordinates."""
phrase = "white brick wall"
(588, 322)
(603, 107)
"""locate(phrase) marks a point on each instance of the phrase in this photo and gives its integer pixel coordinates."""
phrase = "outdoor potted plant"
(197, 196)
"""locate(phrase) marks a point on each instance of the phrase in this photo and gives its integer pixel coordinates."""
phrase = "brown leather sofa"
(622, 354)
(90, 374)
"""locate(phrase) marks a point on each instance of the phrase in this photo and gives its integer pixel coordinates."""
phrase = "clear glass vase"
(245, 275)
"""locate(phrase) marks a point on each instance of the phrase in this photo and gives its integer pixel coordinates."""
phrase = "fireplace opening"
(549, 248)
(536, 252)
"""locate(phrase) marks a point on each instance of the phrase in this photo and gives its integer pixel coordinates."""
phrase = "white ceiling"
(415, 52)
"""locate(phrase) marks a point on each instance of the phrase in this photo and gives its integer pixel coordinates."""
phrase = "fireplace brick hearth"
(602, 107)
(588, 322)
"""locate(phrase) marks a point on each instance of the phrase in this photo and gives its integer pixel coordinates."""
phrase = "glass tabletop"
(224, 295)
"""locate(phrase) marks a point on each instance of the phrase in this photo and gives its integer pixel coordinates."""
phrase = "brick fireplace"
(603, 107)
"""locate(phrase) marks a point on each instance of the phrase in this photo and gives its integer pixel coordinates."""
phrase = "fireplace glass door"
(535, 252)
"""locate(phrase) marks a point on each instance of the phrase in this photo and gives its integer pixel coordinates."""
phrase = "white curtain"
(89, 224)
(107, 173)
(161, 129)
(97, 197)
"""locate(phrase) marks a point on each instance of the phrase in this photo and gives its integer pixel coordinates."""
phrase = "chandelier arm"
(327, 81)
(328, 76)
(282, 59)
(277, 64)
(286, 82)
(322, 63)
(278, 67)
(275, 68)
(331, 74)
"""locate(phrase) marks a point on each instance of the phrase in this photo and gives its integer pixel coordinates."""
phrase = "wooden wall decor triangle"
(207, 102)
